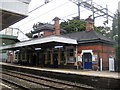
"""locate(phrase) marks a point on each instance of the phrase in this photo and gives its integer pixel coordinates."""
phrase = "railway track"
(12, 85)
(30, 82)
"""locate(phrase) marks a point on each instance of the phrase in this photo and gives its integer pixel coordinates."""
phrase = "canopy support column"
(51, 55)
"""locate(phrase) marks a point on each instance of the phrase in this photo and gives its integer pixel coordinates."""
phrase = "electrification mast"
(98, 11)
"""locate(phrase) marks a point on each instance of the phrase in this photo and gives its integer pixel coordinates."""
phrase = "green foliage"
(105, 31)
(114, 32)
(76, 25)
(73, 25)
(118, 57)
(29, 34)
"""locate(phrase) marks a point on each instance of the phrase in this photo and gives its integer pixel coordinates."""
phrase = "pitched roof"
(46, 27)
(89, 36)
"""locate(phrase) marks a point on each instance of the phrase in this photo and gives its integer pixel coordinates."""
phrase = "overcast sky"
(63, 9)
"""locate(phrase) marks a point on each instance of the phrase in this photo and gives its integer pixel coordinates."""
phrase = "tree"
(110, 33)
(105, 31)
(118, 49)
(35, 26)
(114, 32)
(76, 25)
(29, 34)
(73, 25)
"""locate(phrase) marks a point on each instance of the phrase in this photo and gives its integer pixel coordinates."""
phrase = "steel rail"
(52, 80)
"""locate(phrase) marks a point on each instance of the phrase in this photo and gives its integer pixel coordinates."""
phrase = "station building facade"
(51, 47)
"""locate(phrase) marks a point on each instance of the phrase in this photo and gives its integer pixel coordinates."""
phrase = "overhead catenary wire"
(36, 8)
(52, 21)
(39, 15)
(72, 14)
(60, 18)
(43, 14)
(69, 15)
(91, 6)
(39, 7)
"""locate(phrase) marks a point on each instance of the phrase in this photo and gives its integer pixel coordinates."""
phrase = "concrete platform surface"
(106, 74)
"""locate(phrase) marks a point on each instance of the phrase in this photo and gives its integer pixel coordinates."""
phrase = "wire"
(72, 14)
(52, 20)
(69, 15)
(36, 8)
(60, 18)
(43, 14)
(39, 7)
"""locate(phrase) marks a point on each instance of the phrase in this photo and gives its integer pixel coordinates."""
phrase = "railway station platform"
(106, 74)
(101, 79)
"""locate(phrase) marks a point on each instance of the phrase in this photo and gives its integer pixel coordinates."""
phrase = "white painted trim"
(40, 41)
(101, 64)
(87, 51)
(111, 64)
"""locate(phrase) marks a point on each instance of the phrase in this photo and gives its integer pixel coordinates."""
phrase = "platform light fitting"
(58, 47)
(37, 48)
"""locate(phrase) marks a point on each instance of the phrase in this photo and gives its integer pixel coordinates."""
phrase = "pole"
(118, 37)
(92, 6)
(78, 9)
(77, 57)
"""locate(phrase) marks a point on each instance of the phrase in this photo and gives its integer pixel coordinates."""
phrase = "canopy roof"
(59, 39)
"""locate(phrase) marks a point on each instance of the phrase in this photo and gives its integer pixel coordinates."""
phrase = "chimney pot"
(89, 24)
(57, 25)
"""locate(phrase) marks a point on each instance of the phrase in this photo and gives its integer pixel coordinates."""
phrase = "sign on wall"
(80, 58)
(71, 59)
(111, 64)
(94, 58)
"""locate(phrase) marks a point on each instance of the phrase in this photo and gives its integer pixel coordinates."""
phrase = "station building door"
(58, 57)
(55, 58)
(87, 60)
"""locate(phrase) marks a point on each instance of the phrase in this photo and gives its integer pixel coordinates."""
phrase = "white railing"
(10, 31)
(14, 32)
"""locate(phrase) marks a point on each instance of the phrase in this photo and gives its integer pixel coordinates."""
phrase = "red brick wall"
(90, 47)
(105, 51)
(47, 33)
(57, 26)
(105, 61)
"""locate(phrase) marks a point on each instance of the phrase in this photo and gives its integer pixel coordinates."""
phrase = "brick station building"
(94, 50)
(51, 47)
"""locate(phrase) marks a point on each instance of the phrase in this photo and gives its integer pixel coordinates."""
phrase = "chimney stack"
(57, 26)
(89, 24)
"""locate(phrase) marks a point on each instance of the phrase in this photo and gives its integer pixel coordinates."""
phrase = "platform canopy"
(43, 40)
